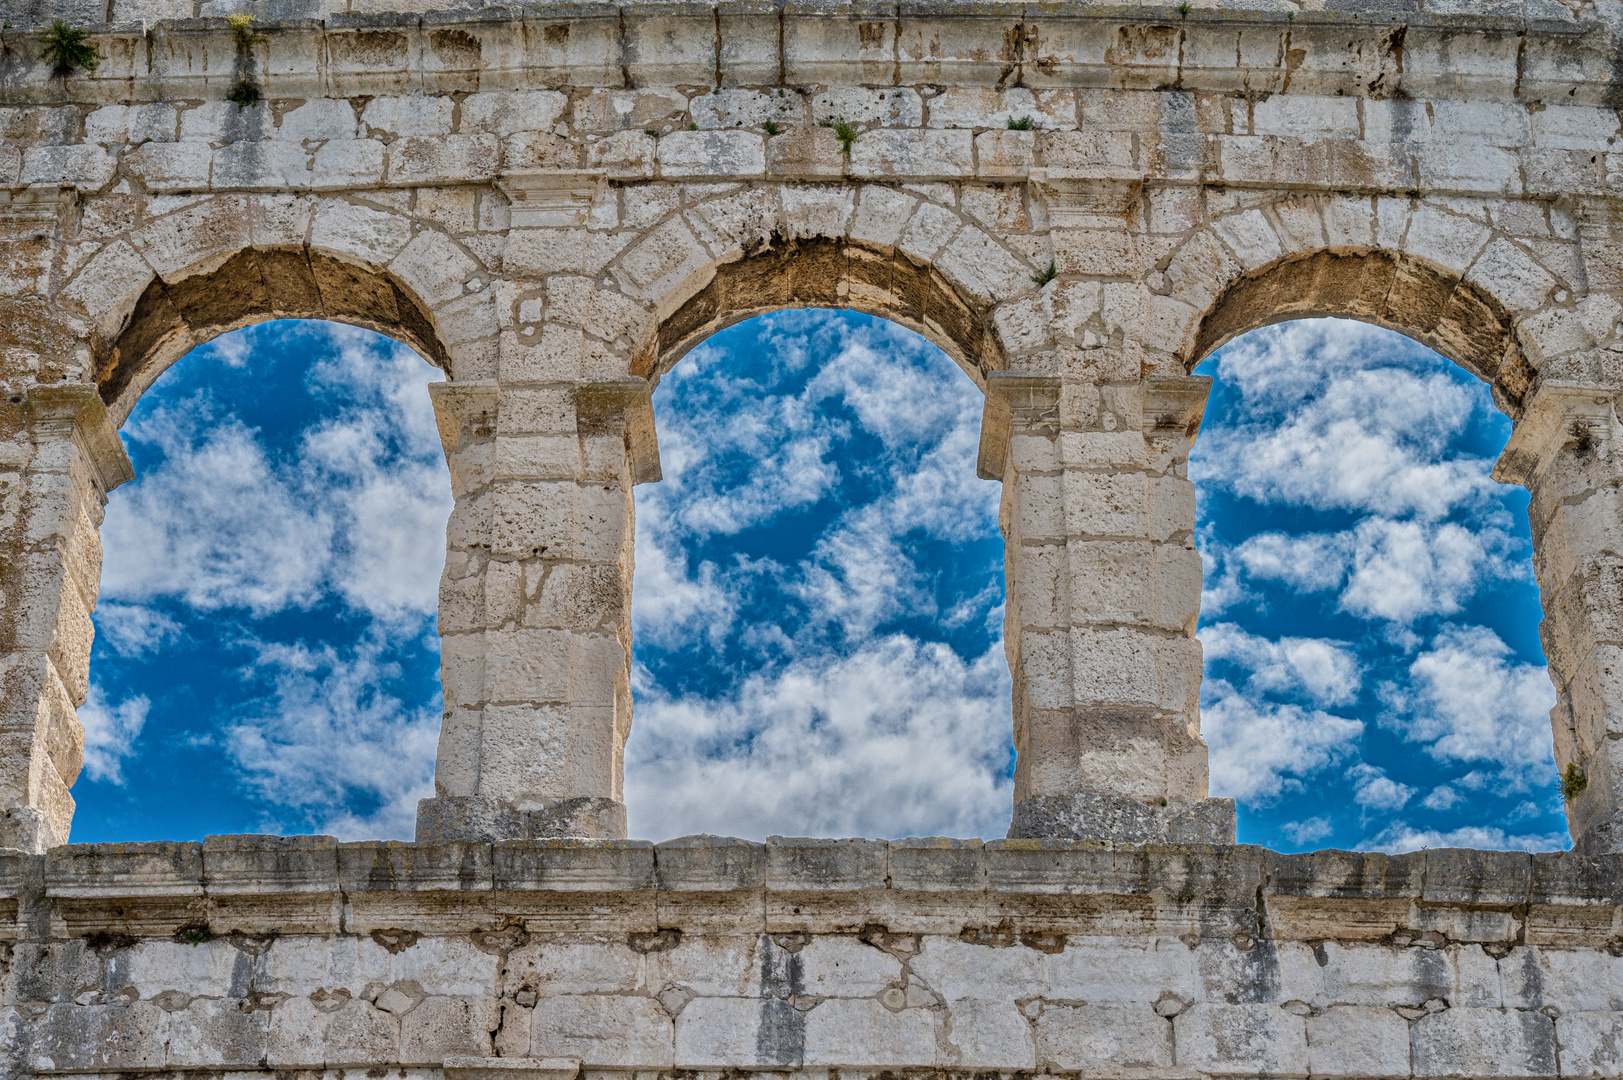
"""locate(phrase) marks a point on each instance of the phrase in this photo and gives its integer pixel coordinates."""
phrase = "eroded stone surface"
(1077, 204)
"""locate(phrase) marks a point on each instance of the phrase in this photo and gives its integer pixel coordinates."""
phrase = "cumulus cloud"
(1340, 432)
(1309, 830)
(904, 737)
(132, 630)
(1258, 749)
(1468, 701)
(1374, 790)
(329, 742)
(360, 509)
(1404, 570)
(1325, 671)
(110, 733)
(1401, 837)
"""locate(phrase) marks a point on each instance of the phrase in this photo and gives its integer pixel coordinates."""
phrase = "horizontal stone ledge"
(1223, 875)
(1194, 18)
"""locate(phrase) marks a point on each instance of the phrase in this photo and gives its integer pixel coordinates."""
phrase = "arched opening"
(1374, 674)
(266, 657)
(819, 588)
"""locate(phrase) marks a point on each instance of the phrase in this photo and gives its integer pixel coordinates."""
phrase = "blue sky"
(818, 596)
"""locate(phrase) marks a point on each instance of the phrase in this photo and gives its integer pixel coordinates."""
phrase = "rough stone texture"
(267, 956)
(554, 203)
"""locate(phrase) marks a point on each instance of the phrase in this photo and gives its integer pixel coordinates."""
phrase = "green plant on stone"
(1046, 276)
(243, 33)
(243, 94)
(772, 127)
(66, 51)
(1183, 9)
(1025, 123)
(1572, 783)
(845, 132)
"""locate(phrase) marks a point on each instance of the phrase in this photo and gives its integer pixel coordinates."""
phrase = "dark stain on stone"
(781, 1036)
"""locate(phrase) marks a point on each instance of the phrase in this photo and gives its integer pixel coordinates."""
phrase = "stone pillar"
(1567, 451)
(53, 493)
(1103, 598)
(535, 607)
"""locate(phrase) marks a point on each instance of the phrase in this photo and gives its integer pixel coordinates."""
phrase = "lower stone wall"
(263, 956)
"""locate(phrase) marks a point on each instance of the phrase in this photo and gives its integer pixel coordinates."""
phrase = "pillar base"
(23, 828)
(487, 820)
(1124, 821)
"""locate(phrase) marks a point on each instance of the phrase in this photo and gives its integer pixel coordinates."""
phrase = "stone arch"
(170, 319)
(825, 272)
(1438, 308)
(867, 247)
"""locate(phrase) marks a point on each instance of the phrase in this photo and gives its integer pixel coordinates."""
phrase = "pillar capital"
(75, 411)
(1560, 414)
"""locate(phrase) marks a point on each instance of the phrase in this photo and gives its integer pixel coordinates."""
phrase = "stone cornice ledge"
(315, 885)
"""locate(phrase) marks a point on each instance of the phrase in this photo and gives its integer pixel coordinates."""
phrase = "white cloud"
(1400, 837)
(1305, 832)
(132, 630)
(1403, 570)
(1312, 562)
(110, 733)
(901, 737)
(1470, 702)
(1374, 790)
(1326, 671)
(1442, 797)
(329, 737)
(1341, 432)
(360, 509)
(1258, 749)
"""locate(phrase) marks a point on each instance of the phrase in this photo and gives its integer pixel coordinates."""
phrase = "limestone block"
(1464, 1042)
(616, 110)
(347, 163)
(1004, 154)
(90, 1038)
(985, 107)
(1357, 1041)
(410, 115)
(661, 261)
(1102, 153)
(1127, 505)
(720, 966)
(321, 119)
(890, 107)
(1133, 668)
(913, 154)
(745, 219)
(331, 1027)
(222, 121)
(270, 166)
(631, 1032)
(929, 230)
(712, 153)
(837, 966)
(628, 155)
(107, 287)
(1508, 274)
(821, 210)
(1135, 583)
(1250, 1040)
(1572, 127)
(1448, 240)
(195, 239)
(1367, 975)
(214, 1032)
(1249, 237)
(861, 1032)
(448, 159)
(434, 267)
(114, 124)
(1590, 1043)
(532, 150)
(1111, 971)
(959, 970)
(1102, 1037)
(983, 268)
(352, 231)
(725, 109)
(509, 111)
(86, 167)
(718, 1031)
(441, 1027)
(1297, 115)
(805, 152)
